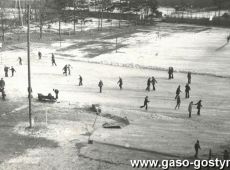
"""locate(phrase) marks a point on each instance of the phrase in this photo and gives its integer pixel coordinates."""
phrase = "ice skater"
(120, 83)
(19, 60)
(148, 84)
(197, 147)
(187, 89)
(170, 72)
(228, 38)
(65, 69)
(178, 91)
(53, 60)
(146, 101)
(226, 155)
(39, 55)
(178, 101)
(6, 70)
(69, 69)
(190, 109)
(100, 85)
(12, 71)
(80, 80)
(56, 91)
(199, 106)
(154, 81)
(2, 88)
(189, 76)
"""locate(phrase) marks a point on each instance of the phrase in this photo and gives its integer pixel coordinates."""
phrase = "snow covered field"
(159, 133)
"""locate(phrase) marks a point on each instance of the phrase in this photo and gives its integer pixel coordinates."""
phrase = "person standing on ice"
(120, 82)
(20, 60)
(6, 70)
(80, 80)
(53, 60)
(65, 70)
(197, 147)
(146, 101)
(100, 85)
(178, 101)
(178, 91)
(190, 109)
(154, 81)
(189, 76)
(187, 89)
(56, 91)
(12, 71)
(69, 69)
(199, 105)
(148, 84)
(2, 84)
(39, 55)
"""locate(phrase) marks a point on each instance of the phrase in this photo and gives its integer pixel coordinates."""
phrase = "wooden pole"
(28, 58)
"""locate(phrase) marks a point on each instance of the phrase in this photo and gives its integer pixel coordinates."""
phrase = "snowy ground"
(159, 133)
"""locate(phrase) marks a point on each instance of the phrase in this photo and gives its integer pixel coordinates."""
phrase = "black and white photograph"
(114, 84)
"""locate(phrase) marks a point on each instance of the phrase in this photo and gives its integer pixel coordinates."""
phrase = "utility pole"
(74, 18)
(40, 18)
(60, 31)
(28, 58)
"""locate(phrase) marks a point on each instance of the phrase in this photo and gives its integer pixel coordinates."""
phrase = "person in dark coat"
(197, 147)
(199, 105)
(6, 70)
(80, 80)
(2, 83)
(172, 71)
(120, 83)
(69, 69)
(148, 84)
(189, 76)
(20, 60)
(39, 55)
(187, 89)
(65, 69)
(178, 101)
(190, 109)
(100, 85)
(56, 91)
(53, 60)
(12, 71)
(169, 72)
(154, 81)
(146, 101)
(178, 91)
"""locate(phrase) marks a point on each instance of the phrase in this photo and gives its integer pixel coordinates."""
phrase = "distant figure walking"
(6, 70)
(100, 85)
(69, 69)
(39, 55)
(53, 60)
(120, 83)
(154, 81)
(199, 105)
(146, 101)
(197, 147)
(178, 91)
(148, 84)
(187, 89)
(170, 73)
(12, 71)
(189, 76)
(80, 80)
(56, 91)
(190, 109)
(2, 88)
(65, 70)
(20, 60)
(178, 101)
(2, 83)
